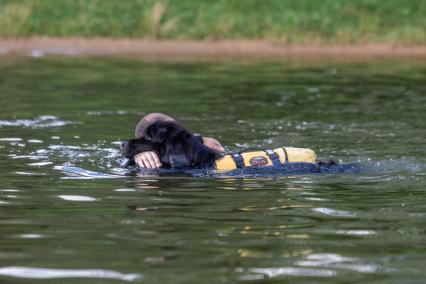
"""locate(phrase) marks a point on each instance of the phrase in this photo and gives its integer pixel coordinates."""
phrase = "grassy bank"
(292, 21)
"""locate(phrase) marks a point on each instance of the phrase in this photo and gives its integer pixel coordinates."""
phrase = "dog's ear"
(156, 134)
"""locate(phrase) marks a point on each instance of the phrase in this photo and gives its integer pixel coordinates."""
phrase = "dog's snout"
(124, 145)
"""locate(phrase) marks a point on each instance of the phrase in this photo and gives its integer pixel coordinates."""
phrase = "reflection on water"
(69, 211)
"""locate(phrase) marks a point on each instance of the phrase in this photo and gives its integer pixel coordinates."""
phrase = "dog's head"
(175, 146)
(155, 136)
(132, 147)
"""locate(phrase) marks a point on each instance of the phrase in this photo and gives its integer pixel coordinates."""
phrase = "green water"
(342, 228)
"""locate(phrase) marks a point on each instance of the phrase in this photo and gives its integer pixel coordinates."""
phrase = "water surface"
(367, 227)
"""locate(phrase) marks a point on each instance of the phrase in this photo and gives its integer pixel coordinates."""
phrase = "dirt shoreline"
(190, 50)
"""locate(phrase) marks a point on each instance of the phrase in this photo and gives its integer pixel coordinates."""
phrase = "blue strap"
(286, 155)
(239, 160)
(273, 157)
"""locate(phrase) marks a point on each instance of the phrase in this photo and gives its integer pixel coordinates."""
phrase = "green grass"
(293, 21)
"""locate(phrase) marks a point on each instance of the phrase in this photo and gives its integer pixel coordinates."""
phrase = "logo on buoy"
(258, 161)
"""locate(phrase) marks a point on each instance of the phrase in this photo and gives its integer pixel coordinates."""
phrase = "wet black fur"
(175, 146)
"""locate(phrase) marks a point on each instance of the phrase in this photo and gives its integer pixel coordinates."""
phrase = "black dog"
(175, 146)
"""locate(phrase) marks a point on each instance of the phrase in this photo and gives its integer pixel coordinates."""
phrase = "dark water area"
(103, 227)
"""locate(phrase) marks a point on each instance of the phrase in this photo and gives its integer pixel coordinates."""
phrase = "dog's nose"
(124, 145)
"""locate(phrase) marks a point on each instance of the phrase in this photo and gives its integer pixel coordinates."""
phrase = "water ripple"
(76, 198)
(36, 141)
(39, 164)
(293, 271)
(10, 139)
(356, 232)
(49, 273)
(29, 236)
(43, 121)
(334, 212)
(335, 261)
